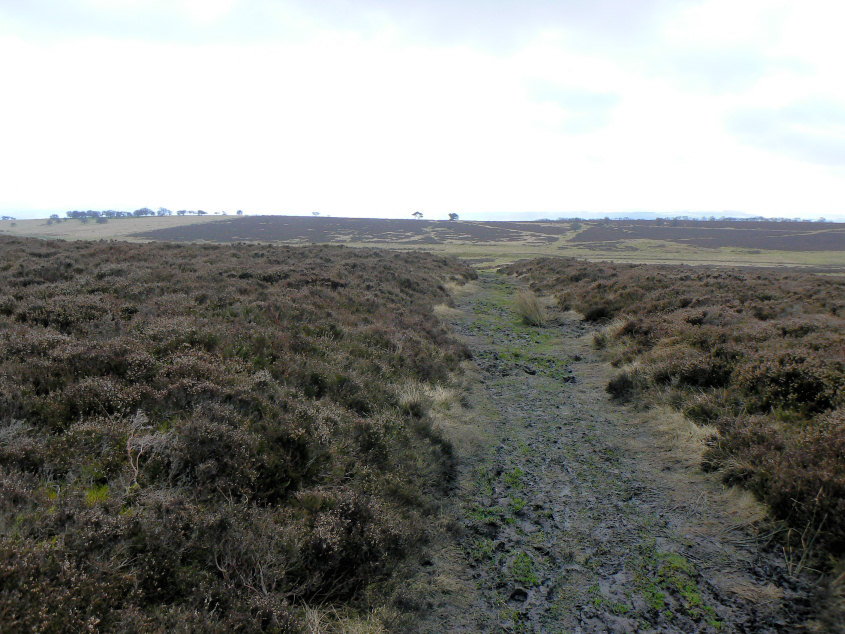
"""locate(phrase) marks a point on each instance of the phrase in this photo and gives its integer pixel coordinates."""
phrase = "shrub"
(623, 386)
(599, 312)
(757, 352)
(201, 440)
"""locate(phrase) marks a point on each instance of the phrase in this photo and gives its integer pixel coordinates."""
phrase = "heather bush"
(209, 437)
(759, 353)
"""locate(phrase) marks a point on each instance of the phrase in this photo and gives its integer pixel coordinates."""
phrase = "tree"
(200, 212)
(240, 212)
(453, 216)
(162, 211)
(418, 215)
(315, 213)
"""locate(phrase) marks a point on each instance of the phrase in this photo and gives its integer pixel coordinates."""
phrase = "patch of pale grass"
(529, 308)
(686, 439)
(446, 313)
(440, 395)
(412, 397)
(456, 289)
(417, 397)
(605, 336)
(746, 589)
(328, 620)
(615, 326)
(742, 507)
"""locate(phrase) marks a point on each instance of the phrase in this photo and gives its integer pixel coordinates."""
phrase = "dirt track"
(576, 514)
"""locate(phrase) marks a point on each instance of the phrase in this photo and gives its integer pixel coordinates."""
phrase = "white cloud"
(379, 115)
(811, 130)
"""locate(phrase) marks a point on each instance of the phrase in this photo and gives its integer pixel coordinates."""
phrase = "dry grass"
(529, 308)
(608, 333)
(461, 289)
(683, 437)
(445, 312)
(746, 590)
(415, 396)
(114, 229)
(330, 620)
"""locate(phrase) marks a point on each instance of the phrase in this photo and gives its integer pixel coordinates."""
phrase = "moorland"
(755, 353)
(819, 245)
(223, 423)
(203, 438)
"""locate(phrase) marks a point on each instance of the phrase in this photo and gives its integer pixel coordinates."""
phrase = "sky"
(379, 108)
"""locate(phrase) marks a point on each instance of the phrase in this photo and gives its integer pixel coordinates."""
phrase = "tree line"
(138, 213)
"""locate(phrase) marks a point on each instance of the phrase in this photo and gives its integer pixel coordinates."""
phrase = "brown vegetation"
(780, 236)
(757, 353)
(208, 438)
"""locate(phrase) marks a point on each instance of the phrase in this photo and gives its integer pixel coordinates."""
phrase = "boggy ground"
(575, 514)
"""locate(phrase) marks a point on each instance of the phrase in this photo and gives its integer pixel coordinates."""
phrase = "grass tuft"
(528, 307)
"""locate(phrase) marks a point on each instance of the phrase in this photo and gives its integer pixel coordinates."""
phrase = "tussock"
(529, 308)
(446, 312)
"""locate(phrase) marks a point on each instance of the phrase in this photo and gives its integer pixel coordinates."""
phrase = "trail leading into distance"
(577, 514)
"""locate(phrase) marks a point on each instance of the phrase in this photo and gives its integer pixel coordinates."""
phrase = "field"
(113, 229)
(806, 244)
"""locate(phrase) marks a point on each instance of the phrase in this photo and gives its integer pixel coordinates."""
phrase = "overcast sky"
(384, 107)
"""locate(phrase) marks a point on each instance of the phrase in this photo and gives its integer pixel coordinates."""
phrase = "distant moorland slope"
(765, 243)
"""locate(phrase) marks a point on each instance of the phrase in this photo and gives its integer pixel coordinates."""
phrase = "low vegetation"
(529, 309)
(204, 437)
(757, 354)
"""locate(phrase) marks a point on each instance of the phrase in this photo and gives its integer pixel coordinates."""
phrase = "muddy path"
(572, 513)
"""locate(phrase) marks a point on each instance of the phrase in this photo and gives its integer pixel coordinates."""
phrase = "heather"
(757, 354)
(212, 438)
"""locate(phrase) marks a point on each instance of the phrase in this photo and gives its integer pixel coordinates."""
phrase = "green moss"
(482, 549)
(97, 494)
(661, 573)
(513, 478)
(517, 504)
(522, 569)
(493, 515)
